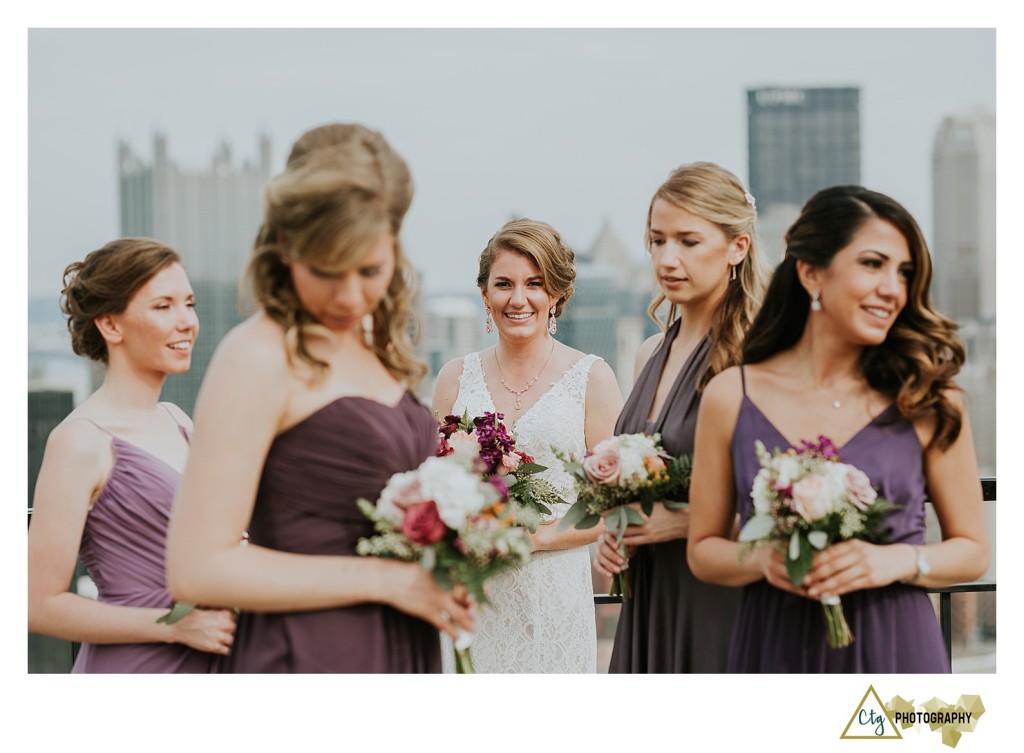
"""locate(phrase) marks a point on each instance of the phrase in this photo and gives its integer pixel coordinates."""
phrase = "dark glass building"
(800, 141)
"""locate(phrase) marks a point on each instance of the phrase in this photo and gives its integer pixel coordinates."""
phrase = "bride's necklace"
(529, 384)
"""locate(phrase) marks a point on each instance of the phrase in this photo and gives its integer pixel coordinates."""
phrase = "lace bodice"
(556, 420)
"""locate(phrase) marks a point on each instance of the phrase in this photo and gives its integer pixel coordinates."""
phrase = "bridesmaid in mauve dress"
(111, 469)
(846, 346)
(703, 243)
(323, 416)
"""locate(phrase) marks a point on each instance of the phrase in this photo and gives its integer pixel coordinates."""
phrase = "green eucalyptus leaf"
(180, 610)
(757, 528)
(576, 513)
(633, 517)
(797, 567)
(528, 469)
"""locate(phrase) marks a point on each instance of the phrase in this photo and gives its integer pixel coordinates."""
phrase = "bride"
(541, 616)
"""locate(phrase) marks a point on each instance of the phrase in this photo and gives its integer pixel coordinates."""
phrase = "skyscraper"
(210, 216)
(964, 204)
(964, 259)
(800, 141)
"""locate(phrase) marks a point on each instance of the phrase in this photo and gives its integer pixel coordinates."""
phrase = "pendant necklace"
(529, 384)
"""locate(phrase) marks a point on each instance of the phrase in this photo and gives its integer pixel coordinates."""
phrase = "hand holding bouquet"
(462, 529)
(806, 499)
(484, 444)
(621, 470)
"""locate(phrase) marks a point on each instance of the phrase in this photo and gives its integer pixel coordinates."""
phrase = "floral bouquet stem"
(620, 581)
(463, 657)
(837, 631)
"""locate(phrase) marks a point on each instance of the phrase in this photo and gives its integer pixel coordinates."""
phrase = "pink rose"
(509, 463)
(809, 498)
(603, 465)
(858, 488)
(422, 524)
(655, 464)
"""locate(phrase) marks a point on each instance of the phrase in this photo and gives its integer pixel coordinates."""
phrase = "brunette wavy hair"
(921, 355)
(711, 192)
(105, 283)
(343, 185)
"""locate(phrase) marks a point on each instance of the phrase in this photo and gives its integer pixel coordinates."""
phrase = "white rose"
(456, 492)
(788, 468)
(761, 493)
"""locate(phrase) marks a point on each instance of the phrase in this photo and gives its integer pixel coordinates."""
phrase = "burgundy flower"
(450, 425)
(423, 524)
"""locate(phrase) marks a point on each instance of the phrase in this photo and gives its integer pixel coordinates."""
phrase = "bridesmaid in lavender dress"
(111, 469)
(846, 345)
(322, 416)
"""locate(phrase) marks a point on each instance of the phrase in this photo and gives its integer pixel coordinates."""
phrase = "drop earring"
(732, 274)
(815, 301)
(552, 322)
(488, 327)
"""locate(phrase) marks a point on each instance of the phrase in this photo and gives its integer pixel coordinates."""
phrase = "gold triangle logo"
(871, 720)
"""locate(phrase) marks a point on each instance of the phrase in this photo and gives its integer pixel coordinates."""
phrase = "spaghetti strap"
(89, 420)
(743, 379)
(181, 427)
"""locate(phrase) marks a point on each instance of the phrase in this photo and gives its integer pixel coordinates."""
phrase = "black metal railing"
(988, 491)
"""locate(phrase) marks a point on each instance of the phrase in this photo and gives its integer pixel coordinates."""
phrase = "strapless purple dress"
(306, 503)
(123, 551)
(895, 628)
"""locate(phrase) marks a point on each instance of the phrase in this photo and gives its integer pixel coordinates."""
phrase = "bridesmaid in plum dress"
(306, 408)
(847, 345)
(701, 233)
(111, 469)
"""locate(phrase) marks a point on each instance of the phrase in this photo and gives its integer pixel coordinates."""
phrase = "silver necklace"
(529, 384)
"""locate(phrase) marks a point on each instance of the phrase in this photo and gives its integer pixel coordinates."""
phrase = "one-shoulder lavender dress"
(894, 627)
(306, 503)
(123, 551)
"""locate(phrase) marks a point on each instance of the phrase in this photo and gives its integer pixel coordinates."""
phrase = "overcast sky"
(574, 127)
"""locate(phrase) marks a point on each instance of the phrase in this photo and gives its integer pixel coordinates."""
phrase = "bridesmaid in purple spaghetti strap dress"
(894, 627)
(123, 551)
(306, 503)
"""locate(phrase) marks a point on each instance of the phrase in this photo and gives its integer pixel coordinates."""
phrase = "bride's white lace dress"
(541, 616)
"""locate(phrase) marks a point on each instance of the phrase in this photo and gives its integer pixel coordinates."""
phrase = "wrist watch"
(923, 568)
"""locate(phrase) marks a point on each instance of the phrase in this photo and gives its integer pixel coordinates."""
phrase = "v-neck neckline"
(839, 448)
(490, 397)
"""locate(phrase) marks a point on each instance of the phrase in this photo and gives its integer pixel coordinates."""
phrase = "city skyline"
(577, 133)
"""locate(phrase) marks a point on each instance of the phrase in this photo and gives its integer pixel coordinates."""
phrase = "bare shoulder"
(446, 387)
(79, 444)
(601, 375)
(257, 344)
(724, 391)
(645, 351)
(179, 415)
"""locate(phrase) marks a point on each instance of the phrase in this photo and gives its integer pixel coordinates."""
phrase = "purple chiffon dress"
(123, 551)
(306, 503)
(671, 621)
(895, 628)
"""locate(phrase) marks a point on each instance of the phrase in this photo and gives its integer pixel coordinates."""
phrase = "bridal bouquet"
(621, 470)
(461, 528)
(809, 499)
(484, 444)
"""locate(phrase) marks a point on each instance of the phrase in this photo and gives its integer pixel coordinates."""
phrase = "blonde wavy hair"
(343, 185)
(711, 192)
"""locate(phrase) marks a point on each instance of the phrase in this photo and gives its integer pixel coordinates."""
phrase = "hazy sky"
(572, 126)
